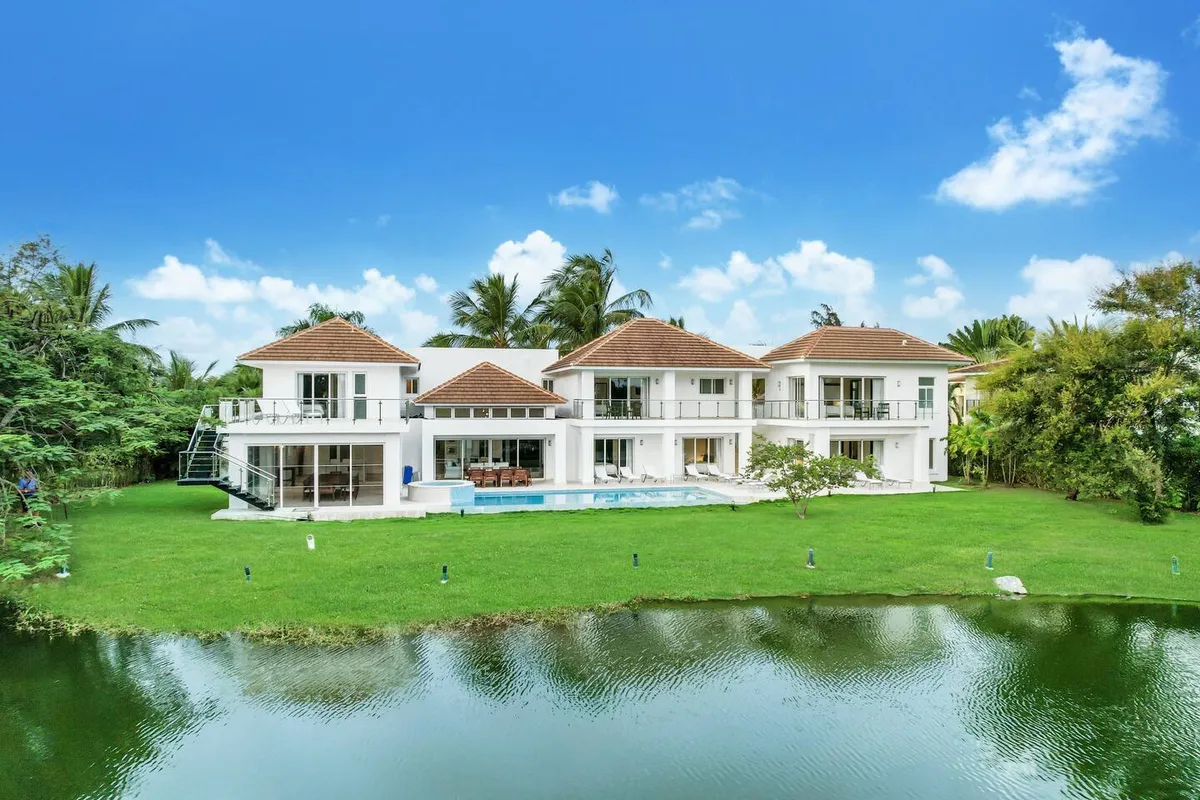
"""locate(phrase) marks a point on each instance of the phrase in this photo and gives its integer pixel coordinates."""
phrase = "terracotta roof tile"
(332, 340)
(648, 342)
(487, 384)
(979, 369)
(838, 343)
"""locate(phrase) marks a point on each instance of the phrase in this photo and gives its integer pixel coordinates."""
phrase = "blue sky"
(912, 165)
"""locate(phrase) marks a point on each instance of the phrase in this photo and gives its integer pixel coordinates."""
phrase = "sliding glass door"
(453, 457)
(618, 452)
(323, 394)
(621, 396)
(328, 475)
(702, 451)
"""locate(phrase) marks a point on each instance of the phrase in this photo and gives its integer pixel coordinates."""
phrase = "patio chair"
(626, 474)
(489, 477)
(475, 476)
(506, 476)
(861, 479)
(649, 475)
(602, 475)
(888, 480)
(520, 477)
(715, 472)
(692, 471)
(883, 411)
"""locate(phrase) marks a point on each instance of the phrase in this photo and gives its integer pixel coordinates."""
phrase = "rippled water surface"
(824, 699)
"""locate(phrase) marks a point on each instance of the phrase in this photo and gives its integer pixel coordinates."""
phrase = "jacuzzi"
(442, 493)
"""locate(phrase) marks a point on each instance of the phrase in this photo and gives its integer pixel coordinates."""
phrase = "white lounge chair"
(888, 480)
(649, 475)
(626, 474)
(715, 472)
(691, 471)
(602, 475)
(862, 480)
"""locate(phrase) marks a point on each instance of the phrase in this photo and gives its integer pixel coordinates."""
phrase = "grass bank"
(154, 560)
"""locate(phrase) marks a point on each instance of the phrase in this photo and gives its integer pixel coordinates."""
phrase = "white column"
(920, 459)
(587, 455)
(667, 394)
(559, 447)
(742, 442)
(745, 392)
(587, 394)
(428, 453)
(668, 454)
(393, 470)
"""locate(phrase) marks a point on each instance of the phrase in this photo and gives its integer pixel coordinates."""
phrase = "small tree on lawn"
(799, 472)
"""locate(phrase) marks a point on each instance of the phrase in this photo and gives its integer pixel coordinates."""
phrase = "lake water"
(781, 699)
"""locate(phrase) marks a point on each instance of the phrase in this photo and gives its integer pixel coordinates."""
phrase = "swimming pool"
(563, 499)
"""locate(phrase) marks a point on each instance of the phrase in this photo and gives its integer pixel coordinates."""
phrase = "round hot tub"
(442, 493)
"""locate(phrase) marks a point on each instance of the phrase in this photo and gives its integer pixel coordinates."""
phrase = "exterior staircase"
(205, 463)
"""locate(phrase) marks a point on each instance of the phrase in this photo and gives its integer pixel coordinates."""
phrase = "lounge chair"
(649, 475)
(863, 480)
(888, 480)
(626, 474)
(715, 471)
(602, 475)
(691, 471)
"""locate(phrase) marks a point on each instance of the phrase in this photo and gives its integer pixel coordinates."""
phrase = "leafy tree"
(971, 442)
(577, 305)
(990, 339)
(800, 473)
(318, 313)
(85, 300)
(825, 316)
(677, 322)
(241, 381)
(182, 373)
(490, 315)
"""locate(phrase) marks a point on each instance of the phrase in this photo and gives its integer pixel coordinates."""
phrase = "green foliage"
(800, 473)
(577, 304)
(990, 339)
(490, 315)
(971, 443)
(318, 313)
(825, 316)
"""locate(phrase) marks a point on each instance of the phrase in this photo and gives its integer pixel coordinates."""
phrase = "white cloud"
(418, 326)
(943, 302)
(1061, 289)
(740, 327)
(1029, 93)
(1170, 257)
(382, 220)
(714, 283)
(530, 261)
(932, 268)
(814, 266)
(1192, 32)
(174, 280)
(376, 294)
(202, 342)
(426, 283)
(664, 262)
(215, 253)
(594, 195)
(1113, 102)
(711, 202)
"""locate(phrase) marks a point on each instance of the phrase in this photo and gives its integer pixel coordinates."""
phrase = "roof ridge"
(554, 397)
(710, 340)
(329, 322)
(588, 347)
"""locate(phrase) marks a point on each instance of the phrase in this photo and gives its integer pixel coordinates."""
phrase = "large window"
(620, 396)
(328, 475)
(454, 457)
(702, 451)
(618, 452)
(712, 386)
(857, 449)
(925, 387)
(321, 394)
(853, 398)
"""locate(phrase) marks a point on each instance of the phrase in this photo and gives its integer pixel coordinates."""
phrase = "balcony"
(313, 411)
(660, 409)
(847, 410)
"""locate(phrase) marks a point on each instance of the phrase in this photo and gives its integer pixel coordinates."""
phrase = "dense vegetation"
(84, 409)
(1108, 409)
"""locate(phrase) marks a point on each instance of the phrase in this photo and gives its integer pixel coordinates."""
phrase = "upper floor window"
(412, 385)
(712, 386)
(925, 388)
(548, 384)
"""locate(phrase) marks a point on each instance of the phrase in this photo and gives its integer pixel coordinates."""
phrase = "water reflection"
(969, 698)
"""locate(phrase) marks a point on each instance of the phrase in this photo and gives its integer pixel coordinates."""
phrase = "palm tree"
(490, 314)
(990, 339)
(577, 304)
(825, 316)
(318, 313)
(677, 322)
(181, 373)
(242, 381)
(85, 301)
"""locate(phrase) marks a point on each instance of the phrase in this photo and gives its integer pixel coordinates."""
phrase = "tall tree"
(825, 316)
(318, 313)
(490, 314)
(677, 322)
(577, 302)
(85, 300)
(182, 373)
(990, 339)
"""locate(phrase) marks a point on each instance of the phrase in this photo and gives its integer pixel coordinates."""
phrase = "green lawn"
(154, 559)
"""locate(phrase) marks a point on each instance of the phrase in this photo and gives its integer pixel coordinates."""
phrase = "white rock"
(1010, 584)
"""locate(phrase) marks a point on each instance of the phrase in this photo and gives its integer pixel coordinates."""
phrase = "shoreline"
(21, 618)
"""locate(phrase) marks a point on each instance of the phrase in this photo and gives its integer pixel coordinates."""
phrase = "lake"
(968, 698)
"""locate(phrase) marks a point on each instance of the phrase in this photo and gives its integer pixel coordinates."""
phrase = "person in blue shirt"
(27, 487)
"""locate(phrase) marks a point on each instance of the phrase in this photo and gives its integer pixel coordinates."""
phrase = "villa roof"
(487, 384)
(648, 342)
(332, 340)
(982, 368)
(838, 343)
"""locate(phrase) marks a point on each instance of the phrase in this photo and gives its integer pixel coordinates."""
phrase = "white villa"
(347, 419)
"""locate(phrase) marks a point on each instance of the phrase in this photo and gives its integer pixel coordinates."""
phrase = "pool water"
(559, 499)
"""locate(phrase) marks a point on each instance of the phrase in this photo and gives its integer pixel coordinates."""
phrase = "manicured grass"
(154, 559)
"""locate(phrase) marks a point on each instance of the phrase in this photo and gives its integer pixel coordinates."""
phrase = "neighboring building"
(345, 413)
(964, 390)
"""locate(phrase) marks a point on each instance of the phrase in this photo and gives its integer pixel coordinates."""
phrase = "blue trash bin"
(408, 472)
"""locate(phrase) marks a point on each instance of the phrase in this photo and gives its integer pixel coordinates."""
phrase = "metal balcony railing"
(863, 410)
(660, 409)
(309, 411)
